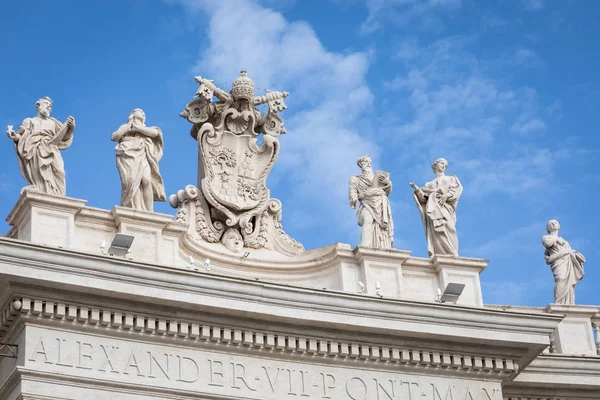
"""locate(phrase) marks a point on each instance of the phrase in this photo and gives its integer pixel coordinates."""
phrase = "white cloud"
(527, 58)
(404, 12)
(533, 5)
(460, 110)
(328, 93)
(527, 125)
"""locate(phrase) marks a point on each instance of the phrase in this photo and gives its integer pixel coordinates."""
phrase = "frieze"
(290, 344)
(202, 371)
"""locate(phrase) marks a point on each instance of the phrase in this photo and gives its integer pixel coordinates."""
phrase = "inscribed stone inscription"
(236, 375)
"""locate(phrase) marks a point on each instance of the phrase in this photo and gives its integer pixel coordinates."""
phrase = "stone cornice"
(560, 371)
(56, 269)
(289, 345)
(125, 272)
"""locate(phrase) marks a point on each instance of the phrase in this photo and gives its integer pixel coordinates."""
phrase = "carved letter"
(469, 395)
(355, 395)
(272, 383)
(132, 363)
(217, 373)
(108, 359)
(325, 387)
(180, 379)
(38, 346)
(165, 373)
(291, 392)
(82, 355)
(60, 351)
(379, 385)
(436, 392)
(241, 377)
(409, 391)
(488, 395)
(304, 394)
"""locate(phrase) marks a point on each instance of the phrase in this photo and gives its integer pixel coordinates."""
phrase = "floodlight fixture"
(191, 262)
(451, 293)
(361, 287)
(207, 264)
(120, 245)
(378, 288)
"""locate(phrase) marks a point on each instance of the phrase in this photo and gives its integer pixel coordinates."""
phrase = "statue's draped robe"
(566, 265)
(374, 213)
(39, 154)
(440, 221)
(135, 154)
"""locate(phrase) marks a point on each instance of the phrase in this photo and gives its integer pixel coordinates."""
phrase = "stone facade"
(160, 325)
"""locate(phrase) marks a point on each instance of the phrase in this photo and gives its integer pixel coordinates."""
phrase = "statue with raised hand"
(38, 143)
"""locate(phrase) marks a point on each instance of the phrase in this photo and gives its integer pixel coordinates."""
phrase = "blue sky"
(506, 90)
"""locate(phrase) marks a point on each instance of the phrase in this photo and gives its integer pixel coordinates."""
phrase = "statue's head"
(232, 240)
(364, 162)
(243, 87)
(552, 226)
(44, 106)
(137, 113)
(440, 165)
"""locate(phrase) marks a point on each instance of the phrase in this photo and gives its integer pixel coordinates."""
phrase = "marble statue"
(566, 264)
(38, 143)
(139, 149)
(374, 213)
(231, 195)
(437, 202)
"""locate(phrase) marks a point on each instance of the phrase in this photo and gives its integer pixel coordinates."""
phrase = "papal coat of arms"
(232, 203)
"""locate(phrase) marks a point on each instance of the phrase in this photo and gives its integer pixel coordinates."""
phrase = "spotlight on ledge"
(451, 293)
(190, 263)
(207, 264)
(361, 287)
(120, 245)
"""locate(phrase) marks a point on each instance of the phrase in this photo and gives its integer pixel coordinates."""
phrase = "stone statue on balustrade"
(566, 264)
(374, 213)
(437, 201)
(139, 149)
(231, 200)
(38, 143)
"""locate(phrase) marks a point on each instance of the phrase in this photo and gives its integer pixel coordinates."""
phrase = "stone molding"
(33, 264)
(289, 344)
(159, 239)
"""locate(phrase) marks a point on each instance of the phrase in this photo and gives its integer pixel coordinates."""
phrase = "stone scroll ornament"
(38, 143)
(232, 199)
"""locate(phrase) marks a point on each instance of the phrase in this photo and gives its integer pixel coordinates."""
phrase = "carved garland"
(289, 343)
